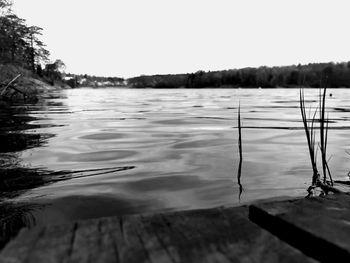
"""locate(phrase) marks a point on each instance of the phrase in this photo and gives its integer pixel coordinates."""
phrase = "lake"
(126, 151)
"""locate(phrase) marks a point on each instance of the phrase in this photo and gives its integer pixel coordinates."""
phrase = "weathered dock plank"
(213, 235)
(320, 227)
(30, 246)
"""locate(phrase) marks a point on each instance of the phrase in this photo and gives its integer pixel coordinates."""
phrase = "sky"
(128, 38)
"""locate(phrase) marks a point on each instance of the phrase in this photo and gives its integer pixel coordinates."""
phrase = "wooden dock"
(300, 230)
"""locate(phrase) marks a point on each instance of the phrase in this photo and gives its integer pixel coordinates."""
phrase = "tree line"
(311, 75)
(20, 45)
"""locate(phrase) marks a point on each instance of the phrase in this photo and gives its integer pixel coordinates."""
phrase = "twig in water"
(8, 85)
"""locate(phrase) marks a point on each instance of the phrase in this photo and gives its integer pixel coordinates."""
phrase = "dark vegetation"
(23, 53)
(19, 43)
(15, 216)
(337, 74)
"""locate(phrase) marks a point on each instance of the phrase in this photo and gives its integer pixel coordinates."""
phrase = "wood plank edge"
(309, 244)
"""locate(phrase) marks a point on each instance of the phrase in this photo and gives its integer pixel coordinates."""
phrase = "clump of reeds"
(326, 183)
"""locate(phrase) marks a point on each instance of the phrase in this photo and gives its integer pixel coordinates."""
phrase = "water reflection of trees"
(14, 179)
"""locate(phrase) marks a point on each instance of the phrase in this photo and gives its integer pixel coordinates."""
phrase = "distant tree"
(54, 70)
(39, 70)
(36, 48)
(72, 82)
(293, 78)
(12, 32)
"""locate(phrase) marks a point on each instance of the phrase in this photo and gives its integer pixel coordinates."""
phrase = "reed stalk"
(239, 173)
(324, 137)
(310, 136)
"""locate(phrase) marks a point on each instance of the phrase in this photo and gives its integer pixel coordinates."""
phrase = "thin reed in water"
(240, 153)
(310, 135)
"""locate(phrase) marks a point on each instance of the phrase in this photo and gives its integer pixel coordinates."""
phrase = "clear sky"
(132, 37)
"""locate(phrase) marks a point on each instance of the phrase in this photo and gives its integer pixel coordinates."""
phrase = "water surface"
(125, 151)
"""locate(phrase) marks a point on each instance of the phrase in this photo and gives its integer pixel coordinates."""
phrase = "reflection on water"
(239, 172)
(121, 151)
(14, 179)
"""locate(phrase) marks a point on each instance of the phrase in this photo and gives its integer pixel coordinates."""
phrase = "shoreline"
(19, 85)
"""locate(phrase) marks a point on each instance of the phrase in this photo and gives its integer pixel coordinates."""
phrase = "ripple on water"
(103, 136)
(134, 151)
(200, 143)
(97, 156)
(171, 122)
